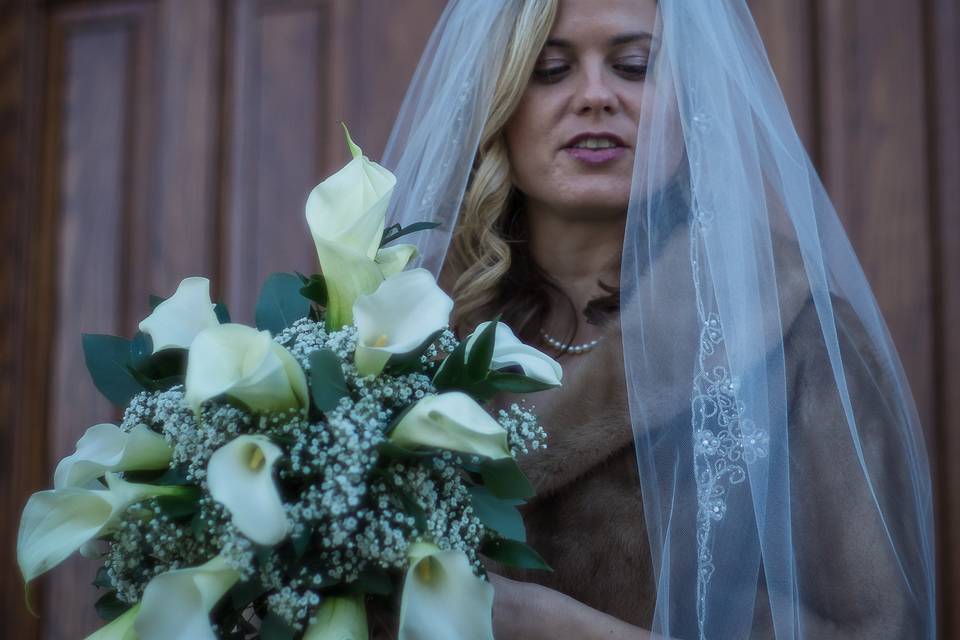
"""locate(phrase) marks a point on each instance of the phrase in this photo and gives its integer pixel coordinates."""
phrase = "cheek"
(530, 144)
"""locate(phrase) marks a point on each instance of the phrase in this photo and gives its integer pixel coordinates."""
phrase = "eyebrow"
(623, 38)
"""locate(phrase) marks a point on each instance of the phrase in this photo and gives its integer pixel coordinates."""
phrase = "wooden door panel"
(148, 140)
(91, 125)
(875, 166)
(282, 106)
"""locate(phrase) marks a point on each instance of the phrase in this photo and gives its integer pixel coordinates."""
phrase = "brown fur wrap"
(587, 517)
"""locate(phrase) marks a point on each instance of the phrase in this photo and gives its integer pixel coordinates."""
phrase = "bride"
(734, 452)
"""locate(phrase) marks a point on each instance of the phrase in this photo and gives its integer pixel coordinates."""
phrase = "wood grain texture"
(787, 29)
(23, 344)
(90, 174)
(177, 153)
(142, 141)
(278, 73)
(388, 55)
(875, 166)
(942, 37)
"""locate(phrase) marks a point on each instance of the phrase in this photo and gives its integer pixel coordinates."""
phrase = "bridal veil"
(744, 313)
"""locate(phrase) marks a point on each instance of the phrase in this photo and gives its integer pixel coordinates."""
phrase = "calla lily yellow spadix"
(176, 321)
(240, 476)
(443, 598)
(177, 604)
(246, 364)
(346, 215)
(400, 315)
(508, 350)
(106, 447)
(57, 523)
(340, 618)
(452, 420)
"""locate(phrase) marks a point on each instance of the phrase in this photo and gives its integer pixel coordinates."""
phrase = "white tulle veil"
(784, 477)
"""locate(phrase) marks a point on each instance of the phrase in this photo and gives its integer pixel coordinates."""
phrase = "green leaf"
(223, 315)
(504, 478)
(197, 525)
(262, 553)
(327, 384)
(108, 359)
(315, 289)
(395, 231)
(409, 362)
(280, 303)
(180, 506)
(162, 477)
(396, 452)
(452, 373)
(376, 581)
(516, 383)
(174, 476)
(481, 353)
(102, 579)
(166, 363)
(276, 628)
(109, 607)
(412, 508)
(495, 513)
(301, 542)
(141, 348)
(513, 553)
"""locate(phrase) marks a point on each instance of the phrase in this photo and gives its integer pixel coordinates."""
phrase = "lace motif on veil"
(725, 441)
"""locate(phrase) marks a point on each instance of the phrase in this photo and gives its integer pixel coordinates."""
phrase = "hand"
(517, 613)
(529, 611)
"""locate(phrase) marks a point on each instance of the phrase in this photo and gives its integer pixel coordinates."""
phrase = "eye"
(632, 71)
(549, 75)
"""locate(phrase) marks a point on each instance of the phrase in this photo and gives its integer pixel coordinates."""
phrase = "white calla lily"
(346, 215)
(177, 604)
(246, 364)
(339, 618)
(176, 321)
(508, 351)
(106, 447)
(120, 629)
(394, 259)
(240, 476)
(452, 420)
(403, 312)
(57, 523)
(443, 598)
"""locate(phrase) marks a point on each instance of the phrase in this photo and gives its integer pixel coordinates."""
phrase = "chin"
(595, 205)
(598, 198)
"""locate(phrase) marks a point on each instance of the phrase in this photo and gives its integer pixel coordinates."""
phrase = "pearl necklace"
(571, 348)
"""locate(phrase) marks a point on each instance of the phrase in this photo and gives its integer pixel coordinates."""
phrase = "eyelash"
(550, 75)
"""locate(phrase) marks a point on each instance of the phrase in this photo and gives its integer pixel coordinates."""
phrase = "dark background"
(142, 141)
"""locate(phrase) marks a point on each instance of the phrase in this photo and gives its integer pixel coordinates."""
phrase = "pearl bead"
(570, 348)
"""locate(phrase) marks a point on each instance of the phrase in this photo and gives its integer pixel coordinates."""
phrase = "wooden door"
(151, 140)
(142, 141)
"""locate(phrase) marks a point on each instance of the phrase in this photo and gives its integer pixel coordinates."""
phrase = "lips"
(603, 135)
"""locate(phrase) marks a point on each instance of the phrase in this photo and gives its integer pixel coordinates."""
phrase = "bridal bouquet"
(270, 481)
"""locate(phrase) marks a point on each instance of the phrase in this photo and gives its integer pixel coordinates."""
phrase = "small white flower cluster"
(305, 336)
(350, 511)
(294, 606)
(193, 442)
(147, 542)
(523, 428)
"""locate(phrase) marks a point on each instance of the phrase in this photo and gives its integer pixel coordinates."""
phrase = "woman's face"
(571, 140)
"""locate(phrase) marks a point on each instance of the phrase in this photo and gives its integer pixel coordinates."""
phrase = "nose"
(594, 94)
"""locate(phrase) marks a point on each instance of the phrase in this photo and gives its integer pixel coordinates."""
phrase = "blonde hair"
(480, 252)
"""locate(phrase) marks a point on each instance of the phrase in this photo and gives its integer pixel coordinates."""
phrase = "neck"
(576, 252)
